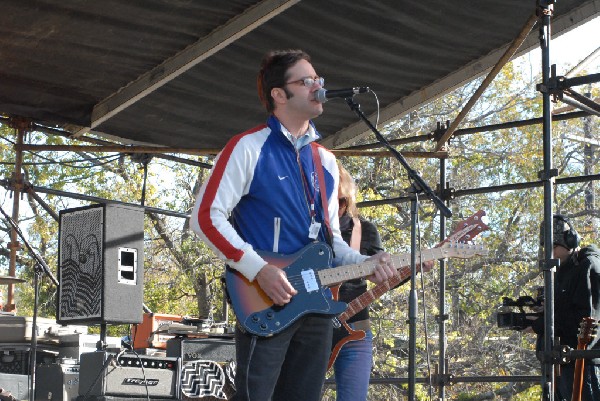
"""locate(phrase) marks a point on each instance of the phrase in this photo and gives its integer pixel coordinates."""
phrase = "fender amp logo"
(140, 382)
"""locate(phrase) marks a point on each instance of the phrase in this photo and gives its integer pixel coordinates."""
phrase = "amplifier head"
(211, 349)
(102, 374)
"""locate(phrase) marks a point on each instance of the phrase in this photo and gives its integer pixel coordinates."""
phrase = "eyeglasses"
(342, 202)
(309, 82)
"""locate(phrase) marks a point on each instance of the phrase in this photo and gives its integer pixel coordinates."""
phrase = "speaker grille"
(203, 379)
(81, 264)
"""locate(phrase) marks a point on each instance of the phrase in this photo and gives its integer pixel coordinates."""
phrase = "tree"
(475, 345)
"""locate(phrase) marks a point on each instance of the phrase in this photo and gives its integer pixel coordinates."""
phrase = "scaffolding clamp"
(442, 318)
(553, 172)
(445, 194)
(558, 354)
(549, 264)
(438, 133)
(444, 379)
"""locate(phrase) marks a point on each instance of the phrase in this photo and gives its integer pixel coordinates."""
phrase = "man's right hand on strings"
(275, 284)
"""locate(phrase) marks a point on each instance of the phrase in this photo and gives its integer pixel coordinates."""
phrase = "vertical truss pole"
(442, 366)
(21, 126)
(548, 177)
(413, 301)
(588, 151)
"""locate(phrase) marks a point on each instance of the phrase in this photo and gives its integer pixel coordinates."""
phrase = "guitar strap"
(356, 235)
(323, 190)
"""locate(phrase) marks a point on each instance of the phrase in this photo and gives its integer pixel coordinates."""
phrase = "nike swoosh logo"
(282, 178)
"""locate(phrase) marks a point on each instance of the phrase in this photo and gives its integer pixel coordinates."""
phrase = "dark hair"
(564, 234)
(273, 73)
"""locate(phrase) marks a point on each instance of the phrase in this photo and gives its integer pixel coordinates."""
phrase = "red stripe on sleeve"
(204, 219)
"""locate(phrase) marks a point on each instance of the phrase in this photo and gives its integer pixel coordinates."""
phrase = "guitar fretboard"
(366, 298)
(468, 229)
(344, 273)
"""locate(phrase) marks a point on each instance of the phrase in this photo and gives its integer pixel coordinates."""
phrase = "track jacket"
(259, 195)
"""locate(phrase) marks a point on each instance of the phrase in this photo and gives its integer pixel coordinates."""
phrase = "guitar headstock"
(587, 331)
(468, 229)
(462, 250)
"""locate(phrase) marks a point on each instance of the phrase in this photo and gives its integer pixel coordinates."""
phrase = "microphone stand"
(418, 185)
(40, 267)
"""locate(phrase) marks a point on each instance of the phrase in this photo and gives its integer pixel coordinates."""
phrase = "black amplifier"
(57, 382)
(210, 349)
(129, 376)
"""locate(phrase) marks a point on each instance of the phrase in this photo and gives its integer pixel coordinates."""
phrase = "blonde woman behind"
(353, 364)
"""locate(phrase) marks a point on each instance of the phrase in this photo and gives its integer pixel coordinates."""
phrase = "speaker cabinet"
(208, 367)
(100, 265)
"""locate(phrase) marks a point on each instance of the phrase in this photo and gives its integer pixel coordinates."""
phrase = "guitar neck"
(467, 230)
(443, 250)
(368, 297)
(340, 274)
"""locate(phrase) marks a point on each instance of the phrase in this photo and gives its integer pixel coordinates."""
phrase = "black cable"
(422, 281)
(143, 373)
(68, 163)
(252, 345)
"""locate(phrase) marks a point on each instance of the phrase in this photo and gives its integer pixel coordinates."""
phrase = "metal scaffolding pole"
(20, 125)
(548, 175)
(442, 368)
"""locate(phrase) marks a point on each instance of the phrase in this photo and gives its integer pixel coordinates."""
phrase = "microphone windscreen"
(321, 95)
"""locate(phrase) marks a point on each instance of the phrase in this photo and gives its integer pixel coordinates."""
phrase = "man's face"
(560, 252)
(302, 103)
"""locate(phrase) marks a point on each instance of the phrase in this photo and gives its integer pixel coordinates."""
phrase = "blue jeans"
(591, 382)
(353, 368)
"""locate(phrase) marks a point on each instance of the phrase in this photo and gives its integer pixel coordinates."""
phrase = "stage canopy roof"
(181, 73)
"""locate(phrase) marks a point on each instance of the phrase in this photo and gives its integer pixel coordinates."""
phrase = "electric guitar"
(587, 332)
(465, 231)
(309, 273)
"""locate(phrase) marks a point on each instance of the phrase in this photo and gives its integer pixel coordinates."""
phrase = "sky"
(572, 47)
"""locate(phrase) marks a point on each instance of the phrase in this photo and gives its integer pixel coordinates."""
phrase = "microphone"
(323, 95)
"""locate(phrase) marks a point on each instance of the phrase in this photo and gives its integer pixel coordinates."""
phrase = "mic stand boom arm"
(418, 185)
(40, 267)
(44, 267)
(416, 180)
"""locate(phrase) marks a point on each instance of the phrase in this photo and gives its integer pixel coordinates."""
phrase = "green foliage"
(475, 287)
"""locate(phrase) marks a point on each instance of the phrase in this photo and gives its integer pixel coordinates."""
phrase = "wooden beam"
(206, 152)
(171, 68)
(356, 131)
(508, 54)
(117, 149)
